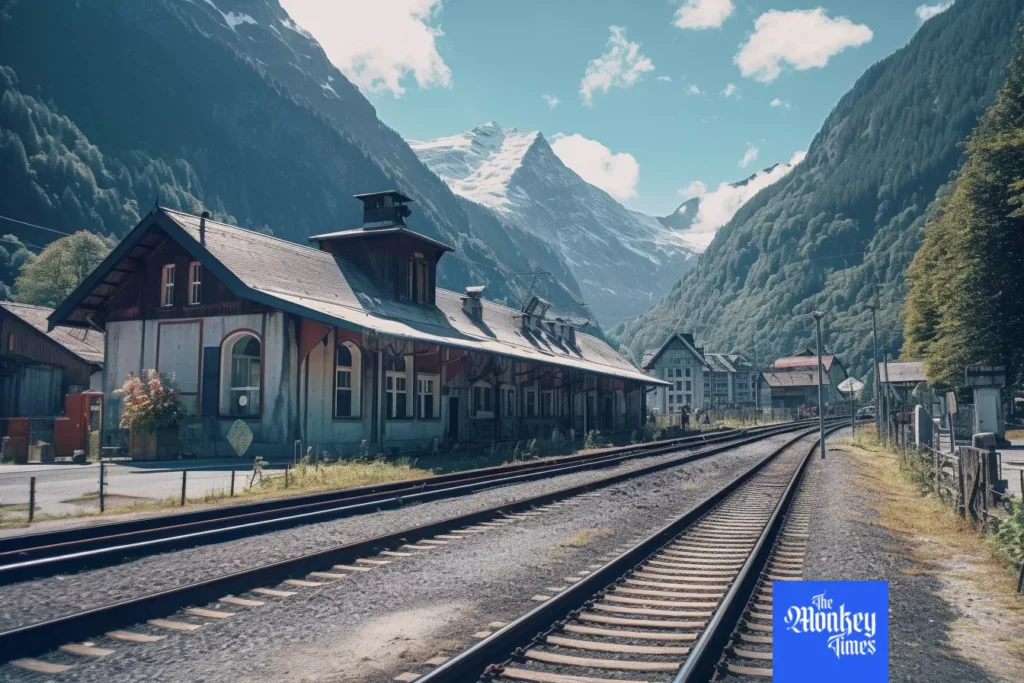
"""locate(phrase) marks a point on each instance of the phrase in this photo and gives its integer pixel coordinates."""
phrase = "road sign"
(850, 385)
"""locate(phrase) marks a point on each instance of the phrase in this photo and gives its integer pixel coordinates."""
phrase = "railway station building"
(681, 366)
(345, 341)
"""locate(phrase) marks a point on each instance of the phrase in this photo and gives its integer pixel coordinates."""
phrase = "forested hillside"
(965, 302)
(854, 211)
(107, 107)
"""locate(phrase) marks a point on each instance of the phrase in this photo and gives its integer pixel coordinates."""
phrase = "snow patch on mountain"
(623, 260)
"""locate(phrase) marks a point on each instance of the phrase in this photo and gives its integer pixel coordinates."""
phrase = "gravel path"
(373, 625)
(847, 544)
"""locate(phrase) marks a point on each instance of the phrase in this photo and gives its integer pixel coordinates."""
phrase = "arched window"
(241, 375)
(347, 375)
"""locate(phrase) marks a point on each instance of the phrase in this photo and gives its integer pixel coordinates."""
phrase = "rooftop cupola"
(402, 261)
(384, 209)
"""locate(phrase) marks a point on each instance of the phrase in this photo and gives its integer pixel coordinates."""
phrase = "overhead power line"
(33, 225)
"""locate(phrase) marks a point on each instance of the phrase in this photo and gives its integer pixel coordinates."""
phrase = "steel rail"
(470, 664)
(41, 637)
(120, 548)
(32, 546)
(707, 652)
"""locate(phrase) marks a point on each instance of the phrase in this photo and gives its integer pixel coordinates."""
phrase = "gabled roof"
(719, 362)
(330, 289)
(902, 372)
(802, 360)
(657, 354)
(794, 379)
(85, 343)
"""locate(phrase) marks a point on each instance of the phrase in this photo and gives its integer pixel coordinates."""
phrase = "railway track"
(690, 603)
(154, 616)
(33, 556)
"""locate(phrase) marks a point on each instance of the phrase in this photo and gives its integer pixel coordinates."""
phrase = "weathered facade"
(347, 342)
(38, 366)
(792, 382)
(731, 383)
(682, 365)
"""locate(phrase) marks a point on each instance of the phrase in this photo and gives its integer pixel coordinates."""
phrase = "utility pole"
(821, 404)
(878, 380)
(757, 386)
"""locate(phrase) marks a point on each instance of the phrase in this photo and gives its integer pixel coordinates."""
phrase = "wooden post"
(31, 498)
(232, 483)
(103, 484)
(960, 487)
(286, 468)
(184, 479)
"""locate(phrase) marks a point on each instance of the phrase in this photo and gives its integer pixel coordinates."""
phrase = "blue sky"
(434, 68)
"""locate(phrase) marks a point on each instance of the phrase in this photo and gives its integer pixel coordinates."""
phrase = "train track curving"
(692, 602)
(152, 617)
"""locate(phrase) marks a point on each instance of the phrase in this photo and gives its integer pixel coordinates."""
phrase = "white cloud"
(719, 205)
(616, 174)
(804, 39)
(694, 189)
(693, 90)
(667, 79)
(378, 45)
(702, 14)
(552, 101)
(926, 12)
(731, 90)
(779, 103)
(749, 156)
(621, 66)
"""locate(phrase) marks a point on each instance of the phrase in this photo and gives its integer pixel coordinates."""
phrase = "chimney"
(471, 302)
(202, 227)
(384, 210)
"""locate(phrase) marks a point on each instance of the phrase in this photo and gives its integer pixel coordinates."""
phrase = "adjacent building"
(792, 382)
(39, 366)
(681, 366)
(347, 341)
(731, 383)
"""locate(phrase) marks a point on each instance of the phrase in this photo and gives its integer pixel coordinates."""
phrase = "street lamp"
(821, 404)
(873, 306)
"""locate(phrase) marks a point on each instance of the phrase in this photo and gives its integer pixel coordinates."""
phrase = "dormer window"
(167, 285)
(417, 279)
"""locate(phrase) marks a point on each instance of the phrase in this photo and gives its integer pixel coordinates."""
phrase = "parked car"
(866, 412)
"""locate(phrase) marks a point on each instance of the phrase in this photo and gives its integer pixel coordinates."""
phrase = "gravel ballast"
(847, 544)
(373, 625)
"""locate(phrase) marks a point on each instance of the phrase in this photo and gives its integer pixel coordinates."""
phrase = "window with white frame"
(347, 376)
(530, 402)
(687, 372)
(167, 285)
(508, 401)
(426, 396)
(396, 385)
(241, 375)
(195, 283)
(483, 400)
(547, 403)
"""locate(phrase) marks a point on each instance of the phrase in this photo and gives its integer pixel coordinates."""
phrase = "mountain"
(853, 211)
(108, 107)
(623, 260)
(697, 219)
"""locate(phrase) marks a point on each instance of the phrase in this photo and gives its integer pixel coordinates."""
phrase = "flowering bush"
(150, 402)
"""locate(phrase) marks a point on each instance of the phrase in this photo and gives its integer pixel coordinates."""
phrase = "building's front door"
(453, 419)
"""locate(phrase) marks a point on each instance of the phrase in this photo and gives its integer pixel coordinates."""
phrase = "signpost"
(852, 387)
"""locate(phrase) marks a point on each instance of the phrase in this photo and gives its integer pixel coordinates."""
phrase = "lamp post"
(878, 380)
(821, 404)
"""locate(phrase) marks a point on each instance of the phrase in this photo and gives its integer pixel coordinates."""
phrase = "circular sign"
(243, 400)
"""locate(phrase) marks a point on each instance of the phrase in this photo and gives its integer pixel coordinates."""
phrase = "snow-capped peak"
(478, 164)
